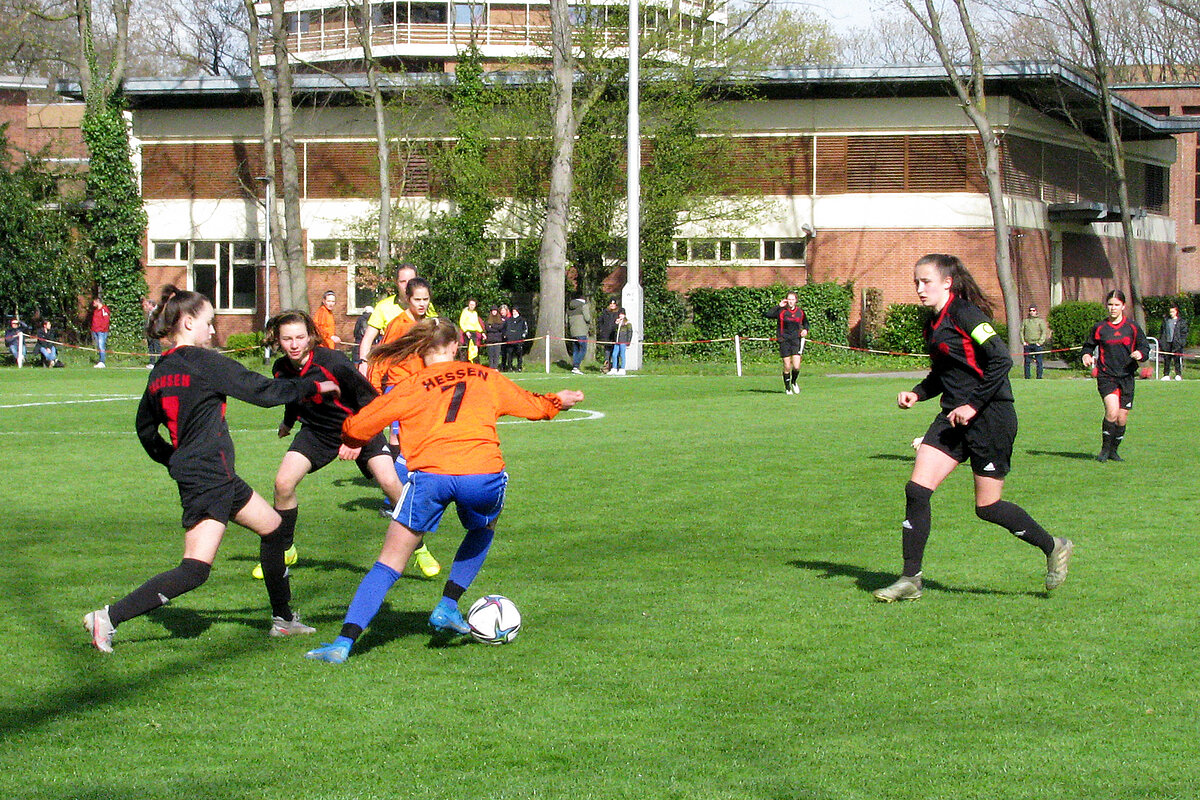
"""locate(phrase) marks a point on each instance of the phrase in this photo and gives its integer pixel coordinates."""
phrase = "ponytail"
(174, 305)
(962, 284)
(271, 336)
(429, 333)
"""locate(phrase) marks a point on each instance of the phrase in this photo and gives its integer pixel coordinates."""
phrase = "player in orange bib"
(447, 413)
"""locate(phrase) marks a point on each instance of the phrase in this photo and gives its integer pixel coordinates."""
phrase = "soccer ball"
(494, 619)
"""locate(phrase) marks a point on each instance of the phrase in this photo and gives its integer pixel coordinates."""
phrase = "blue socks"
(368, 598)
(470, 557)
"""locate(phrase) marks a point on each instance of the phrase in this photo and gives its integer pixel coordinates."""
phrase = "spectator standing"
(579, 319)
(494, 331)
(1171, 340)
(385, 311)
(153, 346)
(516, 331)
(622, 337)
(1034, 335)
(606, 332)
(326, 324)
(360, 327)
(101, 319)
(472, 328)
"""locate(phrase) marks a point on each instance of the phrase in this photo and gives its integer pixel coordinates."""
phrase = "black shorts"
(987, 441)
(320, 449)
(1123, 387)
(221, 503)
(789, 347)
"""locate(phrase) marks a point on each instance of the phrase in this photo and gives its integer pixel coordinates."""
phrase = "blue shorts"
(478, 498)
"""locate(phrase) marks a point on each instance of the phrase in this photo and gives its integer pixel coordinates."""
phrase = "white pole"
(268, 251)
(547, 354)
(737, 353)
(20, 349)
(632, 297)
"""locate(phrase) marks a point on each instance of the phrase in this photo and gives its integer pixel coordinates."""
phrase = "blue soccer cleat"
(333, 653)
(448, 620)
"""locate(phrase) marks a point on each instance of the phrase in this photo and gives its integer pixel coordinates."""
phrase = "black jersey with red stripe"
(187, 395)
(1112, 346)
(789, 321)
(325, 414)
(969, 362)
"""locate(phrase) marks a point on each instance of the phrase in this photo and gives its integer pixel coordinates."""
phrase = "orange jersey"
(325, 326)
(447, 414)
(381, 377)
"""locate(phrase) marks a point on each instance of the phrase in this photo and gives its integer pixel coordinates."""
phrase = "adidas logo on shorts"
(990, 467)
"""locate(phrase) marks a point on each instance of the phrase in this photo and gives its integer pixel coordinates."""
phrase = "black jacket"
(969, 362)
(515, 329)
(187, 395)
(1177, 341)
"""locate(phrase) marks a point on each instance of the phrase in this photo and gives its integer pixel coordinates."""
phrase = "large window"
(744, 252)
(348, 253)
(226, 273)
(429, 13)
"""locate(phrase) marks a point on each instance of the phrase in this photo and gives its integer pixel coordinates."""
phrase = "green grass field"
(694, 569)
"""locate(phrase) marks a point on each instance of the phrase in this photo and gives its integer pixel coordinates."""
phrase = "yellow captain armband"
(982, 332)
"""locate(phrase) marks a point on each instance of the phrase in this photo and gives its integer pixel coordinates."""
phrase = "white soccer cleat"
(101, 628)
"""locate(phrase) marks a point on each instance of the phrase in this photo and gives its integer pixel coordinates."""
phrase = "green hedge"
(724, 313)
(1071, 325)
(903, 328)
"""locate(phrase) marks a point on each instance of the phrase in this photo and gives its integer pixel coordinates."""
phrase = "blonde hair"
(428, 334)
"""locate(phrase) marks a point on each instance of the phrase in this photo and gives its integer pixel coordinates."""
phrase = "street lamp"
(632, 297)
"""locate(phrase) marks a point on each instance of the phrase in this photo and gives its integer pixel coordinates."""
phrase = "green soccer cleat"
(1057, 563)
(426, 563)
(290, 557)
(906, 588)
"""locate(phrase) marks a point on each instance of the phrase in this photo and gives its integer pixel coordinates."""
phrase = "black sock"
(1118, 436)
(787, 382)
(158, 590)
(351, 631)
(1107, 435)
(795, 376)
(271, 549)
(453, 591)
(1018, 522)
(916, 526)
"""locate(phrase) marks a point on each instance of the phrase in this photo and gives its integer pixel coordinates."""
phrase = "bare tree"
(968, 85)
(362, 22)
(293, 280)
(208, 37)
(552, 258)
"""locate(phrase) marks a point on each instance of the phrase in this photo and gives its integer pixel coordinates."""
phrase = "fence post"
(737, 352)
(1155, 354)
(547, 354)
(20, 349)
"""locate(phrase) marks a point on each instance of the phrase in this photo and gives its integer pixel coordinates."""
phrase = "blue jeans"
(580, 351)
(101, 340)
(618, 355)
(50, 354)
(1033, 352)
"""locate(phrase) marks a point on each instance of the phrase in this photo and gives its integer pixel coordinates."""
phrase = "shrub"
(245, 347)
(724, 313)
(1071, 325)
(903, 328)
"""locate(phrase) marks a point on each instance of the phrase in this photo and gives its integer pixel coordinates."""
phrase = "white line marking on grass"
(589, 416)
(74, 402)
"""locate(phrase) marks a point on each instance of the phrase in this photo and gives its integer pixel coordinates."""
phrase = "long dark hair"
(961, 281)
(422, 337)
(173, 306)
(271, 335)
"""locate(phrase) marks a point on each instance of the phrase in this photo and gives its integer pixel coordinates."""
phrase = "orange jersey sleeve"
(325, 326)
(381, 376)
(447, 414)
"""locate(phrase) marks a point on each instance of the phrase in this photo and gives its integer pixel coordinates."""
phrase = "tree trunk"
(974, 103)
(293, 282)
(381, 141)
(1116, 157)
(267, 90)
(552, 258)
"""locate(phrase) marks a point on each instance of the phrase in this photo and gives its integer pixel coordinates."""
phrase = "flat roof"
(1053, 89)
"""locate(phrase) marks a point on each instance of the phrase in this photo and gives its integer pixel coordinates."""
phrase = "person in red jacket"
(101, 317)
(447, 413)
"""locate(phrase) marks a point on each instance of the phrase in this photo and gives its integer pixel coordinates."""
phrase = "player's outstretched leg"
(1057, 562)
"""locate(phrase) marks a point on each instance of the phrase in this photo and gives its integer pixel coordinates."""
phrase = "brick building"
(855, 173)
